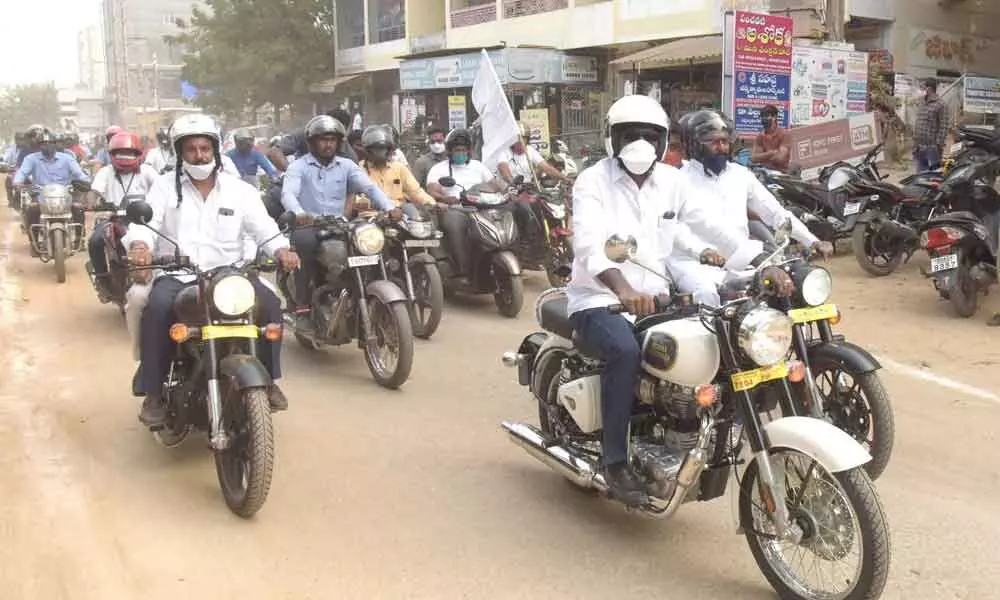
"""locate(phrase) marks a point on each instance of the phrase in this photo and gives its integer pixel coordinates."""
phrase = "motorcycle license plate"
(215, 332)
(851, 208)
(422, 243)
(362, 261)
(944, 263)
(747, 380)
(813, 313)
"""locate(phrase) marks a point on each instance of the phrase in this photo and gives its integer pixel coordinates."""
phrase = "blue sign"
(752, 91)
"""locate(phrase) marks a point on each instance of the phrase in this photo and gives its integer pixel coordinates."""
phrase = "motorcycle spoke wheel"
(843, 553)
(245, 468)
(390, 354)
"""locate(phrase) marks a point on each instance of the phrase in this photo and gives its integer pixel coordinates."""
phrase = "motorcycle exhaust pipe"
(578, 470)
(898, 230)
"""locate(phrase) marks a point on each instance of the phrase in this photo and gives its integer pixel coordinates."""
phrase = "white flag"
(499, 126)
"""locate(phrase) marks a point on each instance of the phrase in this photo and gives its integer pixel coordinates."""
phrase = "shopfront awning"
(328, 86)
(699, 50)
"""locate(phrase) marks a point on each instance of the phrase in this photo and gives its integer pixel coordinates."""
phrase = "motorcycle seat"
(553, 316)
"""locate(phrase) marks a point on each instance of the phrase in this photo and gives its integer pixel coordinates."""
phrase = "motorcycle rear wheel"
(390, 321)
(862, 242)
(962, 293)
(58, 241)
(246, 467)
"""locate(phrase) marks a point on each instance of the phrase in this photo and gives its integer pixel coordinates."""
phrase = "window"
(350, 24)
(387, 20)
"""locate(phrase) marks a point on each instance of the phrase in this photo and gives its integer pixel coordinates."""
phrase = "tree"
(247, 53)
(25, 105)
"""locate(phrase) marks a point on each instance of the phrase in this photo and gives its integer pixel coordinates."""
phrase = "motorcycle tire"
(962, 293)
(861, 242)
(397, 314)
(252, 451)
(58, 241)
(428, 289)
(509, 296)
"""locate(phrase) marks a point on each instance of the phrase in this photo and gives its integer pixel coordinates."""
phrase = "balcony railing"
(523, 8)
(474, 15)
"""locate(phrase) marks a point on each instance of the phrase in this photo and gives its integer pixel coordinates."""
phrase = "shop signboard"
(758, 67)
(981, 95)
(828, 83)
(513, 65)
(816, 146)
(537, 122)
(457, 118)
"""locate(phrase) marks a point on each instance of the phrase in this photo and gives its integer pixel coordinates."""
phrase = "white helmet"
(189, 125)
(635, 109)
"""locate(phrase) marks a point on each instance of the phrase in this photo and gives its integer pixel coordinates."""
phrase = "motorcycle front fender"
(849, 357)
(55, 226)
(387, 292)
(507, 262)
(245, 371)
(422, 257)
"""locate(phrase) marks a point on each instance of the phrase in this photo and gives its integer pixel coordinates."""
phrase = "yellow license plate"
(748, 380)
(813, 313)
(215, 332)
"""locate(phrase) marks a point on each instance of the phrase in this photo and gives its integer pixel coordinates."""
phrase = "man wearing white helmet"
(207, 212)
(727, 190)
(630, 193)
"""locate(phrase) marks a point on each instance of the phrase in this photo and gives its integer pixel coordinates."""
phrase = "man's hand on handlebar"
(778, 281)
(396, 215)
(140, 255)
(303, 219)
(825, 249)
(288, 259)
(637, 303)
(712, 257)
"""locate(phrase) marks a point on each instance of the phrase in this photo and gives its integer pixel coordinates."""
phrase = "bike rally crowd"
(686, 342)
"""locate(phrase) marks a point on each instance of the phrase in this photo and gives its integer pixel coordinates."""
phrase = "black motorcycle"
(216, 382)
(413, 268)
(113, 230)
(545, 240)
(490, 239)
(360, 303)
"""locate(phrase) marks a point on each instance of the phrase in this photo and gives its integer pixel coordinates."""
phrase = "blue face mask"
(460, 158)
(715, 163)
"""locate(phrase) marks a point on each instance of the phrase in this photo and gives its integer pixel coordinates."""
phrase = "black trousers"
(455, 223)
(157, 348)
(307, 246)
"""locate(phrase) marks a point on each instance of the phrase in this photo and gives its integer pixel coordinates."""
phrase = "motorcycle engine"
(679, 406)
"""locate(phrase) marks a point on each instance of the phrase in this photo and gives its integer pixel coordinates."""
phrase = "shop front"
(556, 94)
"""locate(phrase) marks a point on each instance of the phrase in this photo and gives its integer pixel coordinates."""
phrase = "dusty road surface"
(416, 493)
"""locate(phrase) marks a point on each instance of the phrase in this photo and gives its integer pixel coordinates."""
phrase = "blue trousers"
(926, 158)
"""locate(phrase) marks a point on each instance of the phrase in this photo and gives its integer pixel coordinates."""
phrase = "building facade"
(90, 57)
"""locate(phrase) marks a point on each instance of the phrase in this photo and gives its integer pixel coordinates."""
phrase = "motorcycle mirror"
(286, 219)
(620, 250)
(139, 212)
(447, 181)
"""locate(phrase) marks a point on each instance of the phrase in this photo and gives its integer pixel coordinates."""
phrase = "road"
(417, 493)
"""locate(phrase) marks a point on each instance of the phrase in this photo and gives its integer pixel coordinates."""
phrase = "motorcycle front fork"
(816, 409)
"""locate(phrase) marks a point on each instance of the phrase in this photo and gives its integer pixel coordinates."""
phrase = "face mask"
(715, 163)
(638, 157)
(518, 148)
(460, 158)
(199, 172)
(49, 150)
(436, 147)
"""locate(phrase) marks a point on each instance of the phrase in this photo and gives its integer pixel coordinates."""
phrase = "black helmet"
(458, 137)
(393, 133)
(376, 135)
(323, 125)
(697, 126)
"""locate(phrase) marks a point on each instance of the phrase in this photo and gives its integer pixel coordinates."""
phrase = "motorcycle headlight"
(765, 335)
(558, 211)
(420, 229)
(233, 296)
(815, 287)
(368, 239)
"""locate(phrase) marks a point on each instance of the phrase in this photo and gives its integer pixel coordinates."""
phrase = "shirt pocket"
(227, 226)
(665, 234)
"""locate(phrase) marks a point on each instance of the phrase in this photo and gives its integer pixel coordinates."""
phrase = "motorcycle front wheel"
(428, 302)
(246, 467)
(872, 257)
(509, 295)
(390, 354)
(58, 240)
(845, 533)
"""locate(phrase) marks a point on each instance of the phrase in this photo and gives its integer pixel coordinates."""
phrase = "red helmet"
(112, 131)
(126, 151)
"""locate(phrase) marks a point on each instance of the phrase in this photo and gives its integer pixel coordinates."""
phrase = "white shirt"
(520, 164)
(727, 197)
(208, 230)
(114, 187)
(606, 201)
(467, 175)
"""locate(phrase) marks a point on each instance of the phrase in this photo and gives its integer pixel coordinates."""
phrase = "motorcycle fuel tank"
(682, 352)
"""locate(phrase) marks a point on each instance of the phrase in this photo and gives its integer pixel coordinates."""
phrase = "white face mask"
(638, 157)
(199, 172)
(436, 147)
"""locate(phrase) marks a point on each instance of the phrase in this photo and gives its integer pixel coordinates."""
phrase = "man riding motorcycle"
(435, 154)
(123, 177)
(394, 178)
(632, 193)
(102, 157)
(727, 191)
(520, 160)
(466, 172)
(45, 167)
(207, 212)
(318, 185)
(247, 159)
(158, 158)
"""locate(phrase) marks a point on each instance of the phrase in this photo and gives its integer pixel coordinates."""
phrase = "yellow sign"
(457, 118)
(537, 122)
(748, 380)
(215, 332)
(813, 313)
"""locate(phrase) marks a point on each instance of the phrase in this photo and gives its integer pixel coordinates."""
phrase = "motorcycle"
(56, 237)
(360, 303)
(216, 382)
(491, 235)
(962, 243)
(413, 268)
(830, 214)
(546, 240)
(119, 276)
(802, 493)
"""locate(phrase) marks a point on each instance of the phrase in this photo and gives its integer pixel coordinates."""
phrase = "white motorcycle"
(798, 489)
(56, 236)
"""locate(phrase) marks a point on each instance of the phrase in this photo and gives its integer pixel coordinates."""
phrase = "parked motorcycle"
(545, 241)
(491, 235)
(56, 237)
(830, 214)
(413, 269)
(216, 382)
(962, 243)
(360, 303)
(115, 254)
(803, 501)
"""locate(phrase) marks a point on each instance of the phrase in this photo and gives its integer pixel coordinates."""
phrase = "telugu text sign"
(762, 68)
(982, 95)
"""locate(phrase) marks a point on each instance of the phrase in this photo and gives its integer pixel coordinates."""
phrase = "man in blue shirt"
(247, 159)
(318, 185)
